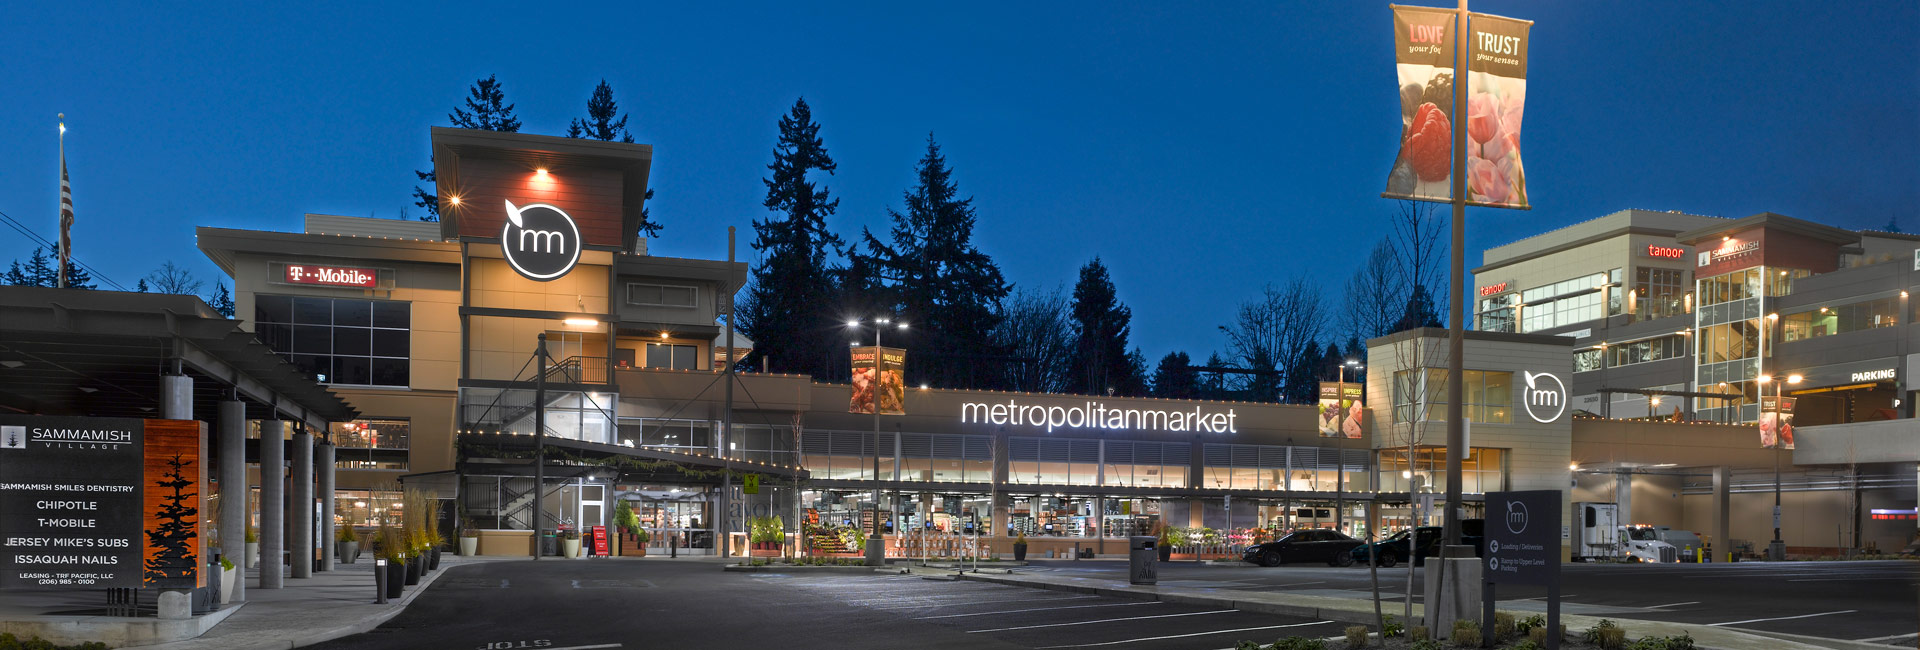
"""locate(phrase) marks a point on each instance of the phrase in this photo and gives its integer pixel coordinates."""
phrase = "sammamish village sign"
(1097, 415)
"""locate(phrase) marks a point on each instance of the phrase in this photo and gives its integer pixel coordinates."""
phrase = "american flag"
(66, 211)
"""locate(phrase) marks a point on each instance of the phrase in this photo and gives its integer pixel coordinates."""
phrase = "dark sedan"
(1314, 545)
(1395, 548)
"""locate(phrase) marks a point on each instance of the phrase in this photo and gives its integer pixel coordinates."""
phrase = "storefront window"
(673, 356)
(370, 443)
(1133, 463)
(1496, 313)
(1052, 461)
(1568, 302)
(1423, 396)
(336, 340)
(846, 455)
(1483, 470)
(1659, 293)
(366, 508)
(1828, 321)
(572, 415)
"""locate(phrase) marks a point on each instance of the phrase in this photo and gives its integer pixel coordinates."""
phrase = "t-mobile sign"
(339, 276)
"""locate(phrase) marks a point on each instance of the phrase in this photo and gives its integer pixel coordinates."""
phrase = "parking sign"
(1523, 546)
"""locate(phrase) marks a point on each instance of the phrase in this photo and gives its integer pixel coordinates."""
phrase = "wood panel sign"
(100, 502)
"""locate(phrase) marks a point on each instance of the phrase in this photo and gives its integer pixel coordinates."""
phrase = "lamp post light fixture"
(1777, 549)
(876, 545)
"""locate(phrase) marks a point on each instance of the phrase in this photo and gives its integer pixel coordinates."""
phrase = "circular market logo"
(1544, 397)
(540, 241)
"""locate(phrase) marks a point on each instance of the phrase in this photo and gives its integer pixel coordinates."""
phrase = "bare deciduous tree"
(1375, 296)
(1037, 332)
(1416, 249)
(1273, 333)
(172, 278)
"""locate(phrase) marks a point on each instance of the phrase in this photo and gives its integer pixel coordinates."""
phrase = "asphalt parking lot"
(1033, 618)
(1874, 602)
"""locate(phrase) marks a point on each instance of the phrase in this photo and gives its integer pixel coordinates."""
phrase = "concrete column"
(1623, 495)
(324, 465)
(1722, 507)
(233, 489)
(273, 500)
(300, 507)
(176, 397)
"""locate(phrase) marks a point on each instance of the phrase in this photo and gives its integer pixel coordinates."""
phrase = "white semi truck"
(1604, 538)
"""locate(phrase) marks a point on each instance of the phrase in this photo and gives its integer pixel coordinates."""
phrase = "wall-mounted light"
(581, 322)
(454, 199)
(541, 171)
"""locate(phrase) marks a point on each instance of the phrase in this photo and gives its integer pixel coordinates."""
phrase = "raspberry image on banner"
(1429, 143)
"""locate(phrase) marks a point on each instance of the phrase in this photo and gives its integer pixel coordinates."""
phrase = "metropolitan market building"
(428, 330)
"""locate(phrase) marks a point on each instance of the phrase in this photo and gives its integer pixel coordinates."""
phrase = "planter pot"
(228, 578)
(433, 560)
(413, 571)
(253, 555)
(348, 551)
(469, 546)
(569, 548)
(1166, 552)
(1019, 552)
(396, 577)
(642, 551)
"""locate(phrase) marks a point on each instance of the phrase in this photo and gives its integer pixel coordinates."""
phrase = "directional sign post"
(1524, 549)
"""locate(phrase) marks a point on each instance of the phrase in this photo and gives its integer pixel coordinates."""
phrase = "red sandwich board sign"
(600, 541)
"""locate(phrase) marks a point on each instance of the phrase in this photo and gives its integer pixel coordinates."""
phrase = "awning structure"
(102, 353)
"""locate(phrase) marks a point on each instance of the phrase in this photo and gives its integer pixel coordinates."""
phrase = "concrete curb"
(115, 631)
(735, 568)
(1360, 612)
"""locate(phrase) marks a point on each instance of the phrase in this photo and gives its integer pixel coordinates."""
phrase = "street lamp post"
(1777, 549)
(876, 544)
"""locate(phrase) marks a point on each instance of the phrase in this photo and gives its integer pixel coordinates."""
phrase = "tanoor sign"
(1097, 415)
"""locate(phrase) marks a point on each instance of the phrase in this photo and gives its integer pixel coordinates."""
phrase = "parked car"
(1312, 545)
(1394, 548)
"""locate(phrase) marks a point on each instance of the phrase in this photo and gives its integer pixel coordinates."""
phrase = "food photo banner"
(1496, 100)
(879, 376)
(1341, 409)
(1423, 57)
(1424, 49)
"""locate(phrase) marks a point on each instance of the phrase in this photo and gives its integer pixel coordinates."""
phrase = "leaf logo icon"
(513, 215)
(1529, 377)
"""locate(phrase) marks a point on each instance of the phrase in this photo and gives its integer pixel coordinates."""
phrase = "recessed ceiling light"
(12, 364)
(89, 389)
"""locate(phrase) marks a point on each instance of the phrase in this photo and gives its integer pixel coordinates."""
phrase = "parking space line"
(1690, 602)
(1784, 618)
(1852, 579)
(1885, 639)
(1182, 636)
(983, 602)
(1109, 620)
(1036, 609)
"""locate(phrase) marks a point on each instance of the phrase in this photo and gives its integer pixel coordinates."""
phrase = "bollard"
(380, 581)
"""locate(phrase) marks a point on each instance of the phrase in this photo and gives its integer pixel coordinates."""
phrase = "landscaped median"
(1360, 611)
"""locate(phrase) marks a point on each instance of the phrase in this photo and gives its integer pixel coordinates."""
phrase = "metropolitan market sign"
(100, 502)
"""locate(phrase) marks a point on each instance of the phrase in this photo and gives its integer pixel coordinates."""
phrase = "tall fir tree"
(487, 109)
(1175, 377)
(141, 286)
(789, 307)
(221, 300)
(15, 276)
(605, 123)
(1101, 327)
(933, 276)
(38, 272)
(172, 559)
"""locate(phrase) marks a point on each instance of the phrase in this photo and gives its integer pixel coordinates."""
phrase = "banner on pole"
(1340, 409)
(1776, 422)
(879, 377)
(1423, 57)
(1496, 101)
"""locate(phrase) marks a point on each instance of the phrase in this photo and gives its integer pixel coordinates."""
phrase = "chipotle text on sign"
(331, 275)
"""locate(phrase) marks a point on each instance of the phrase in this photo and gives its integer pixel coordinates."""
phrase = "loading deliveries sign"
(99, 502)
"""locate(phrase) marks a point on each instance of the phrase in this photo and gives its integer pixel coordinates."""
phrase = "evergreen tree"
(601, 124)
(1420, 311)
(1101, 327)
(221, 301)
(1303, 377)
(487, 109)
(174, 561)
(788, 309)
(40, 271)
(16, 277)
(1175, 377)
(932, 276)
(141, 286)
(79, 278)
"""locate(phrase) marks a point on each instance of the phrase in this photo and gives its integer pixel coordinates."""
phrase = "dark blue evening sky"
(1201, 149)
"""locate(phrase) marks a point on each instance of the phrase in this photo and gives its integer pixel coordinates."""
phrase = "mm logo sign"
(1544, 396)
(540, 241)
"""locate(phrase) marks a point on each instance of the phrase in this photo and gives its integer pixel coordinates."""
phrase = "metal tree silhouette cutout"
(174, 560)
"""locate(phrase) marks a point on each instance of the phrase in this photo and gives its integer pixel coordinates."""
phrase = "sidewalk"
(1360, 611)
(327, 606)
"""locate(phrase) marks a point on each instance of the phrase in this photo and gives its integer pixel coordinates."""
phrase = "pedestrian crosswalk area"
(1040, 619)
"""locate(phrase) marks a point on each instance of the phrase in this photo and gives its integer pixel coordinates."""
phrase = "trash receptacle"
(549, 543)
(1142, 560)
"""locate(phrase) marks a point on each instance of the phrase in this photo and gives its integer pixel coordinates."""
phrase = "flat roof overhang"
(102, 353)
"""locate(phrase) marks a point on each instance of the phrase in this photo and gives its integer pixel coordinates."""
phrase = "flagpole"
(65, 197)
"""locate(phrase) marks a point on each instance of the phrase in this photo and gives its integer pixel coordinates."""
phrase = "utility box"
(1142, 560)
